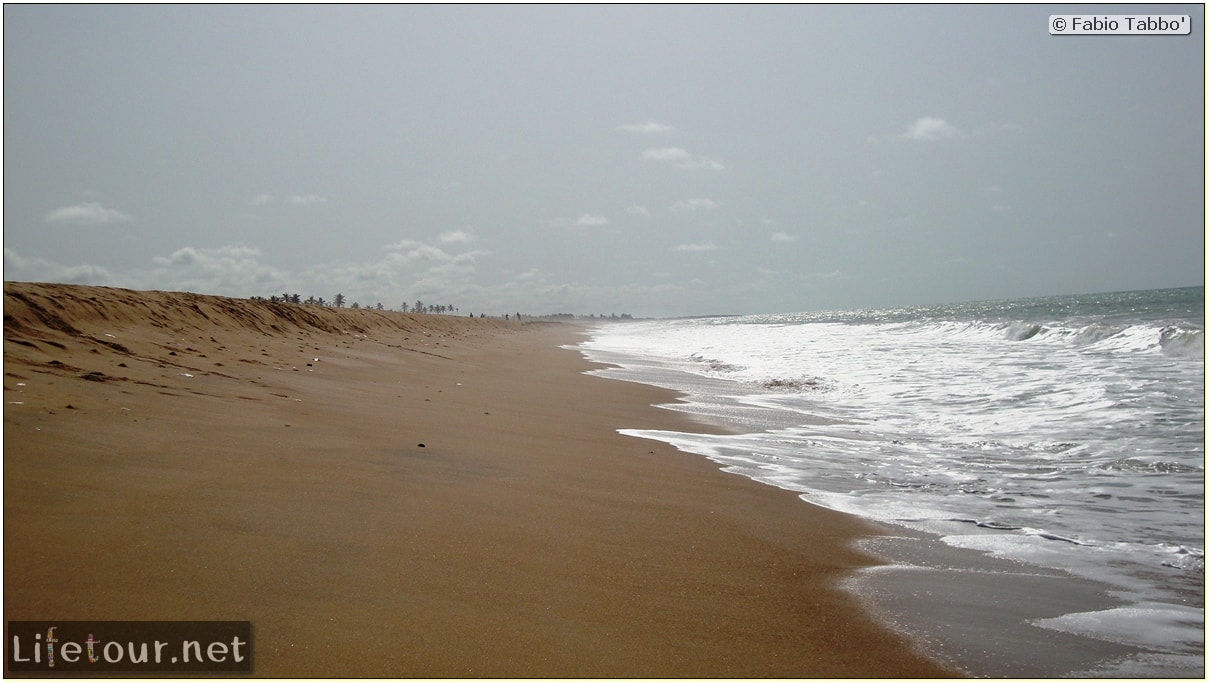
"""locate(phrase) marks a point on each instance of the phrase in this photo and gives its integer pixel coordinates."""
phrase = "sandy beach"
(395, 495)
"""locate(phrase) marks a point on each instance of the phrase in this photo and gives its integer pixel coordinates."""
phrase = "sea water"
(1065, 432)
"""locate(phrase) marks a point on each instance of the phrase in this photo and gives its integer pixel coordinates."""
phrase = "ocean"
(1063, 437)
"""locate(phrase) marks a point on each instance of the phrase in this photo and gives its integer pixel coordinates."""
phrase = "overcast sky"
(655, 160)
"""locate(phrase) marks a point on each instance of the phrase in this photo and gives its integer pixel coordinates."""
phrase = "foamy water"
(1066, 432)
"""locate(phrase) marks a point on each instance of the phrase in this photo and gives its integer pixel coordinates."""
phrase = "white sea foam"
(1066, 432)
(1148, 625)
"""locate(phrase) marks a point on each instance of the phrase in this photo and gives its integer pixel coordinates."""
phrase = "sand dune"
(384, 494)
(137, 336)
(32, 308)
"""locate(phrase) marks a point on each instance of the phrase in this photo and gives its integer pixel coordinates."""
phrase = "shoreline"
(974, 609)
(422, 496)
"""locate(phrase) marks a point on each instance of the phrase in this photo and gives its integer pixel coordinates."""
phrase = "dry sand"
(171, 456)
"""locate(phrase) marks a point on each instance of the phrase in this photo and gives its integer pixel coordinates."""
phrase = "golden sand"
(384, 494)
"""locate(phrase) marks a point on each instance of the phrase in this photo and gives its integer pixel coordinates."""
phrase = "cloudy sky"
(656, 160)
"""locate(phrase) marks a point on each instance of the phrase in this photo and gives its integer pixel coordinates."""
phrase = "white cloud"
(304, 200)
(681, 158)
(400, 245)
(646, 128)
(531, 275)
(403, 272)
(638, 210)
(411, 251)
(692, 248)
(22, 269)
(696, 204)
(191, 256)
(260, 200)
(408, 270)
(783, 237)
(455, 237)
(451, 280)
(930, 129)
(88, 213)
(672, 154)
(588, 220)
(232, 269)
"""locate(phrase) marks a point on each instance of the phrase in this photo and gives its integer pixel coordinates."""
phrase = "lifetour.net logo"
(62, 647)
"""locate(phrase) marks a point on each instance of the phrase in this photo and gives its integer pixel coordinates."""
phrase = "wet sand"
(395, 495)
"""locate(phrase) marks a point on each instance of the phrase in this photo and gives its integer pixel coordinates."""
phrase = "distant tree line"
(579, 316)
(420, 307)
(339, 301)
(591, 316)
